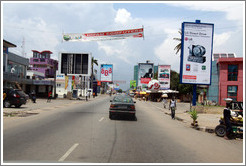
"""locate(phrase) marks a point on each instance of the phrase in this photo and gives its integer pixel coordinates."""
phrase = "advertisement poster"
(196, 53)
(100, 36)
(133, 84)
(106, 72)
(164, 76)
(145, 73)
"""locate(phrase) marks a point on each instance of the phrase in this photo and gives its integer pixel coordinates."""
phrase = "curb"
(200, 128)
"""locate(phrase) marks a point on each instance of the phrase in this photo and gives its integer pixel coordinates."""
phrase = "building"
(227, 79)
(14, 68)
(42, 62)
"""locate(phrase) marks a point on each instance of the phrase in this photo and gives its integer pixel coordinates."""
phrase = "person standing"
(227, 119)
(33, 95)
(172, 106)
(86, 95)
(49, 96)
(164, 102)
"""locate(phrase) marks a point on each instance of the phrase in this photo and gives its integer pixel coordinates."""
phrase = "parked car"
(14, 97)
(122, 105)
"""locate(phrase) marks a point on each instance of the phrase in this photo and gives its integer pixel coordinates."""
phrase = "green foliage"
(120, 90)
(193, 115)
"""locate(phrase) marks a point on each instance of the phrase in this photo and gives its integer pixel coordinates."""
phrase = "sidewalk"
(41, 104)
(206, 121)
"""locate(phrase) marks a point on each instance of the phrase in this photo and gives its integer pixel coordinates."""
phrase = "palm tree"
(93, 61)
(178, 47)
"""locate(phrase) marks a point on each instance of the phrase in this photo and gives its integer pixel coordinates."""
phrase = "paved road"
(83, 133)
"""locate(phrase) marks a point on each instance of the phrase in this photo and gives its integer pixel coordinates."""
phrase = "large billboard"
(196, 53)
(164, 76)
(75, 64)
(133, 84)
(106, 73)
(145, 73)
(99, 36)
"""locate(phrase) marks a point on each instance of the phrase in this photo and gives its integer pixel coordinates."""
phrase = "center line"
(101, 119)
(68, 152)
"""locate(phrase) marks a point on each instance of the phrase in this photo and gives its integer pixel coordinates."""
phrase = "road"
(83, 133)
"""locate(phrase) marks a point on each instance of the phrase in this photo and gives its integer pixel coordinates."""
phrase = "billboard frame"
(69, 74)
(139, 77)
(101, 73)
(182, 52)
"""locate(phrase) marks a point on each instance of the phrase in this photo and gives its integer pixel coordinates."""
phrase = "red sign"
(145, 80)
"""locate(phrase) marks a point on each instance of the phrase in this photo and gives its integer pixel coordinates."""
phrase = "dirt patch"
(19, 114)
(209, 109)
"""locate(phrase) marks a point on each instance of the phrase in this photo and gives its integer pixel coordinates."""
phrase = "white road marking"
(101, 119)
(68, 152)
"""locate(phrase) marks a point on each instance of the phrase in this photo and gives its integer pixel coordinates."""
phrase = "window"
(232, 72)
(232, 92)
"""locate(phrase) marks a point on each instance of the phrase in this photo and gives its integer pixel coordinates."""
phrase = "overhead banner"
(106, 72)
(145, 73)
(196, 53)
(164, 76)
(99, 36)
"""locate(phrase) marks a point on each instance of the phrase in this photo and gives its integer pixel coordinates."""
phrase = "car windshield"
(20, 92)
(123, 99)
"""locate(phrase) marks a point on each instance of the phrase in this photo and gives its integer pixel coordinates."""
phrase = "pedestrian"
(172, 106)
(164, 102)
(49, 96)
(33, 96)
(227, 119)
(86, 95)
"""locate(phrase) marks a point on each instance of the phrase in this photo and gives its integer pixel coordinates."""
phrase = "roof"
(18, 59)
(43, 51)
(8, 44)
(229, 60)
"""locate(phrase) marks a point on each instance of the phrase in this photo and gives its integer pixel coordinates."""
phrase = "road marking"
(101, 119)
(68, 152)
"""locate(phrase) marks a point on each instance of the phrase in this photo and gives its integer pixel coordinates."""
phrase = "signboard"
(106, 72)
(196, 53)
(75, 64)
(133, 84)
(164, 76)
(154, 85)
(99, 36)
(145, 73)
(116, 86)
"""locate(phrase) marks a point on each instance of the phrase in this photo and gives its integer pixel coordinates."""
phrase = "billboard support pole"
(194, 95)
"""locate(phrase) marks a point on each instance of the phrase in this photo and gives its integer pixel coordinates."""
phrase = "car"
(14, 97)
(122, 105)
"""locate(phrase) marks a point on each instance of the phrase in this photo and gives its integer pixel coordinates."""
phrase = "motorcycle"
(237, 128)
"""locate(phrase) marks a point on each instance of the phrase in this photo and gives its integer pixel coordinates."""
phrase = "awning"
(142, 93)
(164, 95)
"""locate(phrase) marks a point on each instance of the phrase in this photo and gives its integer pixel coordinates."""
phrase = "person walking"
(86, 95)
(172, 106)
(49, 96)
(164, 102)
(33, 96)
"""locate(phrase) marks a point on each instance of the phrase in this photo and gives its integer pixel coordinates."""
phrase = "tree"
(178, 47)
(93, 61)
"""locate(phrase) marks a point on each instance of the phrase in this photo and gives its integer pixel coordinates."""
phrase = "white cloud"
(122, 16)
(165, 51)
(221, 39)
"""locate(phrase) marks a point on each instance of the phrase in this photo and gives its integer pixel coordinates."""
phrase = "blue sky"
(41, 26)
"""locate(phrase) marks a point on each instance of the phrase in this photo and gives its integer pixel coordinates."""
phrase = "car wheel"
(6, 104)
(18, 105)
(220, 130)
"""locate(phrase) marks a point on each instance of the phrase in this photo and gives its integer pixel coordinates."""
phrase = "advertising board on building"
(196, 53)
(75, 64)
(106, 73)
(164, 76)
(133, 84)
(145, 73)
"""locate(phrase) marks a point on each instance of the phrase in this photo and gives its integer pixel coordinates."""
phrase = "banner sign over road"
(196, 53)
(164, 76)
(99, 36)
(106, 72)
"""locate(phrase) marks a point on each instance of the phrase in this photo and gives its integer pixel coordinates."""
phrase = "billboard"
(133, 84)
(99, 36)
(75, 64)
(164, 76)
(145, 73)
(106, 72)
(196, 53)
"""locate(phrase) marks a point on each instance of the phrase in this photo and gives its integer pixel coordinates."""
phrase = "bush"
(193, 115)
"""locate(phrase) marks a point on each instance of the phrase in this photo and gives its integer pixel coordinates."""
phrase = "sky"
(41, 25)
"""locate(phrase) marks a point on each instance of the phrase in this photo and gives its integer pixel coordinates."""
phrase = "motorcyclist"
(227, 118)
